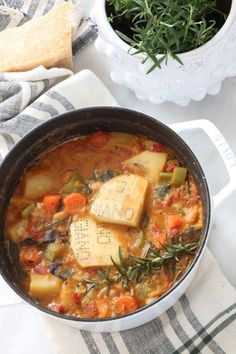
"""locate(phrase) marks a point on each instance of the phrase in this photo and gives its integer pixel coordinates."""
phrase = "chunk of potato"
(151, 162)
(42, 286)
(18, 232)
(37, 184)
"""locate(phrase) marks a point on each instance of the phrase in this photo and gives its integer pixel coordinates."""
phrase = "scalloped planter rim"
(203, 71)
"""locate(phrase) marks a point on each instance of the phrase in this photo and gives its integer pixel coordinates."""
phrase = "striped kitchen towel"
(18, 90)
(202, 321)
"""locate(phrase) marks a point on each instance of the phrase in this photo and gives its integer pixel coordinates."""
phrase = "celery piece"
(166, 176)
(26, 213)
(70, 186)
(179, 176)
(142, 290)
(50, 252)
(140, 239)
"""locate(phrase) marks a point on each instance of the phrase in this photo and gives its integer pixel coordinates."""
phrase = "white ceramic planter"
(203, 71)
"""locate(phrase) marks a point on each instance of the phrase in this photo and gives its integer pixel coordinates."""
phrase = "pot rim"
(201, 249)
(107, 28)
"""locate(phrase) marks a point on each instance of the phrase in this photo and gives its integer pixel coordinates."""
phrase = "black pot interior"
(81, 122)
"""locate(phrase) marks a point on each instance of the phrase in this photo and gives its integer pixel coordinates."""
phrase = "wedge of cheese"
(152, 163)
(120, 200)
(43, 41)
(93, 244)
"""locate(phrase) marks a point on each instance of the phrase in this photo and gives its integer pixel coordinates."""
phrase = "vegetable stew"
(103, 224)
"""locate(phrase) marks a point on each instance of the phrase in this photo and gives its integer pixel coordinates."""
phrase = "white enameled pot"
(203, 71)
(157, 307)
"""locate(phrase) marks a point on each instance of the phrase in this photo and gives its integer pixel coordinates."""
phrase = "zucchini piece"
(179, 176)
(26, 213)
(42, 286)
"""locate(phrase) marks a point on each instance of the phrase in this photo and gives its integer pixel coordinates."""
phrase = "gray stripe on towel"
(8, 139)
(151, 335)
(84, 39)
(32, 9)
(40, 106)
(90, 342)
(195, 323)
(4, 22)
(15, 4)
(48, 6)
(21, 124)
(111, 345)
(63, 101)
(178, 329)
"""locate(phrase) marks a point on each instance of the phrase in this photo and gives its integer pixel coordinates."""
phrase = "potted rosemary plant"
(174, 50)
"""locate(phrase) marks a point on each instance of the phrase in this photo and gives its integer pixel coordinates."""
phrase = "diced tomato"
(174, 221)
(51, 202)
(92, 271)
(74, 202)
(41, 269)
(98, 140)
(76, 298)
(30, 256)
(171, 166)
(77, 145)
(125, 304)
(35, 228)
(91, 310)
(157, 147)
(59, 308)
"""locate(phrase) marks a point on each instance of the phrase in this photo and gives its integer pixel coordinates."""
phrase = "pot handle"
(223, 148)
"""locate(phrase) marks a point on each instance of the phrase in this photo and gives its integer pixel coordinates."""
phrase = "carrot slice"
(125, 304)
(74, 202)
(174, 221)
(51, 202)
(98, 140)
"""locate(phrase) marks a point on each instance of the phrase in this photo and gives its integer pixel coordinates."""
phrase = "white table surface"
(21, 331)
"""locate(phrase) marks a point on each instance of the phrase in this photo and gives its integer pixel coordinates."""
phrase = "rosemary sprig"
(165, 27)
(136, 268)
(106, 280)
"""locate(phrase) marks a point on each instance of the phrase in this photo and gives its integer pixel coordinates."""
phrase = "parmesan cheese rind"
(93, 243)
(43, 41)
(120, 200)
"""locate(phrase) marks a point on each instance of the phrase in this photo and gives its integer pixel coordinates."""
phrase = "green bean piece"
(70, 186)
